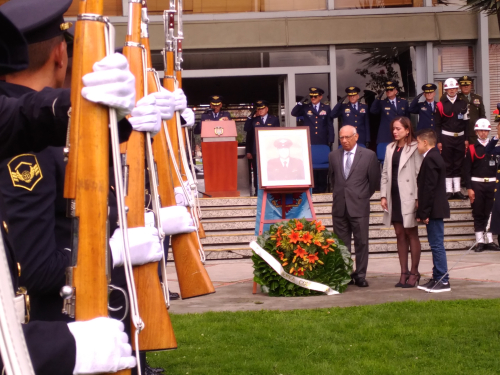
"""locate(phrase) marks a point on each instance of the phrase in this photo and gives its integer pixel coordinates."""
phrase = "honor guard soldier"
(259, 119)
(425, 110)
(389, 108)
(355, 114)
(317, 116)
(476, 105)
(452, 130)
(494, 148)
(214, 113)
(480, 171)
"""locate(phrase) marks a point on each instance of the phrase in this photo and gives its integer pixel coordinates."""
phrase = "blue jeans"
(435, 235)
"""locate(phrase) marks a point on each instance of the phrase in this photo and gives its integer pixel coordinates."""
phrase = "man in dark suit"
(389, 108)
(433, 207)
(354, 113)
(355, 175)
(214, 113)
(260, 119)
(285, 167)
(425, 110)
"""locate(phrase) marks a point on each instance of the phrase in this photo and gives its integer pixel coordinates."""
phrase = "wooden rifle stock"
(158, 333)
(191, 274)
(87, 173)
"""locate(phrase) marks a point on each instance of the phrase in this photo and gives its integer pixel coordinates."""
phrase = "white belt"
(452, 134)
(481, 179)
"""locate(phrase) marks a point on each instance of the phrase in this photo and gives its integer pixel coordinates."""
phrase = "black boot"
(459, 195)
(479, 247)
(449, 196)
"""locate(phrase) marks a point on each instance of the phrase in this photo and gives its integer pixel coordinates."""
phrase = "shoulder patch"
(25, 171)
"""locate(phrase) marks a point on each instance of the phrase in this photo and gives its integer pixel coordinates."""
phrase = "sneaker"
(427, 285)
(440, 287)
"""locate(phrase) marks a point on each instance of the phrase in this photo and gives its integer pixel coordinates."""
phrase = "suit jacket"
(256, 122)
(409, 166)
(387, 114)
(431, 182)
(320, 123)
(294, 170)
(209, 116)
(355, 191)
(425, 113)
(359, 118)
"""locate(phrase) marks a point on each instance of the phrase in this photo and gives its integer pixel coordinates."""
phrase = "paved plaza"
(475, 276)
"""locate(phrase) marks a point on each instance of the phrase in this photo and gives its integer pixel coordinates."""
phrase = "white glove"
(175, 220)
(111, 84)
(188, 116)
(180, 100)
(146, 116)
(101, 346)
(144, 245)
(180, 196)
(165, 103)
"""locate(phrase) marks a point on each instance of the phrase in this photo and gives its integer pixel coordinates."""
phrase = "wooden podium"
(220, 158)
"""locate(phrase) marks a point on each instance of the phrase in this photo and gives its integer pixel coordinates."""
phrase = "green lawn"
(449, 337)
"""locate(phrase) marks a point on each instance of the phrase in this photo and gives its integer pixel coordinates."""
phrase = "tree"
(489, 7)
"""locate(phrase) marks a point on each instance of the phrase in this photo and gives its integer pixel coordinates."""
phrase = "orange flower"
(306, 238)
(298, 225)
(317, 243)
(291, 270)
(319, 227)
(284, 264)
(330, 240)
(313, 257)
(300, 252)
(326, 250)
(300, 272)
(281, 254)
(294, 237)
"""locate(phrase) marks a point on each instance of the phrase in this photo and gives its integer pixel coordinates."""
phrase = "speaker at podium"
(220, 158)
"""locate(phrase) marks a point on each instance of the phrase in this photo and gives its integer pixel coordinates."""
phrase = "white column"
(125, 8)
(421, 67)
(290, 100)
(333, 88)
(427, 3)
(483, 63)
(430, 62)
(330, 4)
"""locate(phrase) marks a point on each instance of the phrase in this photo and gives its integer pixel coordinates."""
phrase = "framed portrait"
(284, 157)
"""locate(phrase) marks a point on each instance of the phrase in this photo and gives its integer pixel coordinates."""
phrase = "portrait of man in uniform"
(284, 157)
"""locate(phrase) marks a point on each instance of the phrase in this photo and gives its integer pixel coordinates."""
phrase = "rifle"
(87, 176)
(193, 278)
(158, 333)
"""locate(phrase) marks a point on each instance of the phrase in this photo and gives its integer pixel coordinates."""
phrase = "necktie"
(394, 105)
(354, 106)
(432, 106)
(348, 164)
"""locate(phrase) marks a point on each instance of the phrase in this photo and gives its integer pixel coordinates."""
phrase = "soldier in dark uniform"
(425, 110)
(480, 172)
(261, 119)
(214, 113)
(452, 127)
(285, 167)
(476, 105)
(354, 113)
(389, 108)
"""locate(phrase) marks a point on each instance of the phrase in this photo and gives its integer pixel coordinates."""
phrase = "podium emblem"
(218, 130)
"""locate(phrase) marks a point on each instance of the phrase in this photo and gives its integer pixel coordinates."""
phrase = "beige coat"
(409, 166)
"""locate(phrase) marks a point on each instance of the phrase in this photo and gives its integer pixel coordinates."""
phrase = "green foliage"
(332, 266)
(490, 7)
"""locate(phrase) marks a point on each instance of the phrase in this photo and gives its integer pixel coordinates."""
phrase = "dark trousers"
(483, 203)
(435, 235)
(253, 163)
(345, 227)
(453, 154)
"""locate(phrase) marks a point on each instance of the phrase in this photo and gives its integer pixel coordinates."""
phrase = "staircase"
(229, 225)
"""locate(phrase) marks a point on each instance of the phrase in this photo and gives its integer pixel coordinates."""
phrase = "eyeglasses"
(347, 137)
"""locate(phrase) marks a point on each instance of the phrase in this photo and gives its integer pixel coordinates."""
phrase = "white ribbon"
(275, 265)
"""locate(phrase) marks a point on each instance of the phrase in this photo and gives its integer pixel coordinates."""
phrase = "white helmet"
(450, 83)
(482, 124)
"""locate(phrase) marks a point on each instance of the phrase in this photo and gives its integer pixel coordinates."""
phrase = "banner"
(275, 265)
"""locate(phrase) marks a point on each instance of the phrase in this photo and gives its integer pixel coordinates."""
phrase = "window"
(451, 59)
(494, 82)
(368, 4)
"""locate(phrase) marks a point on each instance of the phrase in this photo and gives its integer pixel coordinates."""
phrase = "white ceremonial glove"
(180, 100)
(101, 346)
(175, 220)
(146, 116)
(188, 116)
(180, 197)
(165, 102)
(111, 84)
(144, 245)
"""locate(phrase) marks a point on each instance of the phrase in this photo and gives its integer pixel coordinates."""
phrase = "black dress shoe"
(449, 196)
(174, 295)
(352, 282)
(491, 246)
(460, 196)
(479, 247)
(362, 283)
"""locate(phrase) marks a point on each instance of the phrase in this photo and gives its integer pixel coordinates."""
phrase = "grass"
(435, 337)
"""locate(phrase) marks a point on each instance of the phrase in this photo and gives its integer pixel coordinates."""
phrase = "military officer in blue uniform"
(389, 108)
(317, 116)
(425, 110)
(260, 119)
(354, 113)
(214, 113)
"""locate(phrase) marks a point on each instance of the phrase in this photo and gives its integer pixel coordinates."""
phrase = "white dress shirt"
(353, 152)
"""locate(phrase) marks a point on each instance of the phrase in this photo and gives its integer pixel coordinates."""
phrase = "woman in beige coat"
(398, 192)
